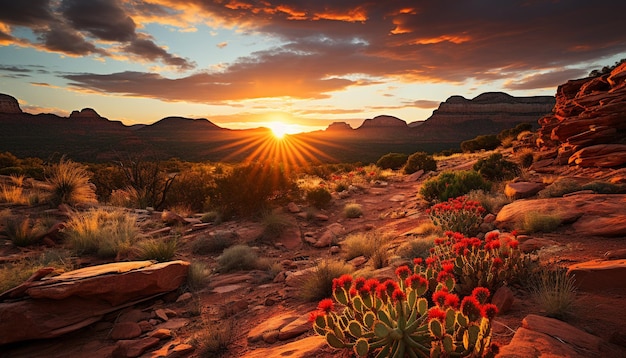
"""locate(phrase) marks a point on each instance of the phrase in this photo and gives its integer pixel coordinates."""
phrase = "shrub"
(416, 248)
(535, 221)
(491, 202)
(458, 214)
(13, 194)
(215, 337)
(249, 189)
(149, 178)
(486, 142)
(602, 187)
(102, 232)
(560, 187)
(473, 262)
(363, 244)
(352, 210)
(211, 244)
(392, 319)
(495, 167)
(319, 283)
(192, 187)
(420, 161)
(197, 276)
(554, 291)
(24, 232)
(237, 258)
(392, 161)
(319, 197)
(69, 183)
(274, 225)
(514, 132)
(160, 250)
(451, 184)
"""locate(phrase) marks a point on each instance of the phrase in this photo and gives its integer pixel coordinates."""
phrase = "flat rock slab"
(303, 348)
(548, 337)
(589, 214)
(599, 275)
(274, 323)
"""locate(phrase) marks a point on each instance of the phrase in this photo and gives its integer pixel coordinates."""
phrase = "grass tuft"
(274, 225)
(212, 244)
(160, 250)
(69, 183)
(352, 210)
(198, 276)
(319, 284)
(23, 233)
(554, 291)
(237, 258)
(416, 247)
(535, 221)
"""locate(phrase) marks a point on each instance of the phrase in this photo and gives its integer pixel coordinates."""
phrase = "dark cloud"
(66, 40)
(103, 19)
(545, 80)
(25, 13)
(146, 48)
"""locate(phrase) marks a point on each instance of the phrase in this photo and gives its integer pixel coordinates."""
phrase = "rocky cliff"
(9, 104)
(496, 106)
(383, 122)
(588, 123)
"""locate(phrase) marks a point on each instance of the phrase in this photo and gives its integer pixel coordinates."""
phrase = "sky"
(244, 63)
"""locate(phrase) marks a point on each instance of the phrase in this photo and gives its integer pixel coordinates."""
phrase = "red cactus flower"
(447, 267)
(313, 315)
(470, 307)
(403, 272)
(416, 281)
(481, 294)
(430, 261)
(326, 305)
(451, 300)
(344, 281)
(359, 282)
(398, 295)
(439, 297)
(497, 263)
(418, 261)
(436, 313)
(514, 244)
(442, 276)
(489, 311)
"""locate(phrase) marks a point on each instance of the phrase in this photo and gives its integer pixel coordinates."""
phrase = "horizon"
(306, 65)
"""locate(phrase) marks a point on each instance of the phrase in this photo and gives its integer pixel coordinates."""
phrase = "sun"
(279, 129)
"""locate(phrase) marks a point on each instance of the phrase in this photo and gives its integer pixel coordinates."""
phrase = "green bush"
(486, 142)
(237, 258)
(192, 187)
(513, 132)
(249, 189)
(496, 168)
(420, 161)
(392, 161)
(319, 197)
(451, 184)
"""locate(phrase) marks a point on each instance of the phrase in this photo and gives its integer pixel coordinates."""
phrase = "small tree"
(392, 161)
(149, 179)
(420, 161)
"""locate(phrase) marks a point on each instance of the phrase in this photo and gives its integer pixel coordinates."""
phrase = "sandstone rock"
(125, 330)
(134, 348)
(333, 231)
(161, 334)
(503, 299)
(171, 218)
(600, 155)
(133, 315)
(590, 214)
(295, 328)
(534, 244)
(270, 337)
(274, 323)
(173, 324)
(615, 254)
(521, 190)
(304, 348)
(548, 337)
(358, 261)
(115, 283)
(293, 208)
(184, 297)
(599, 275)
(160, 313)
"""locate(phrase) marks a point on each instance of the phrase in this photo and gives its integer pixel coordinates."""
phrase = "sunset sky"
(243, 63)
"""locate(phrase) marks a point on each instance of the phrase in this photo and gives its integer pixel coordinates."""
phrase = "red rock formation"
(588, 123)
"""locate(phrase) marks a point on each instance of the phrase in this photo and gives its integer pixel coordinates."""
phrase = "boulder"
(521, 190)
(599, 275)
(65, 303)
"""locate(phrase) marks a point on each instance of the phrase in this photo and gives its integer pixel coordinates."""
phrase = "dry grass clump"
(13, 195)
(23, 232)
(215, 338)
(160, 250)
(362, 244)
(560, 187)
(212, 244)
(197, 276)
(492, 202)
(416, 247)
(105, 233)
(237, 258)
(274, 225)
(210, 217)
(353, 210)
(319, 283)
(69, 184)
(13, 274)
(554, 291)
(535, 221)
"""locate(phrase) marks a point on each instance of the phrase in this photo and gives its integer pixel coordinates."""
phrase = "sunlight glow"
(279, 129)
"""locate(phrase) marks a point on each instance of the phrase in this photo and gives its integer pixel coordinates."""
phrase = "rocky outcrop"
(588, 123)
(85, 113)
(50, 307)
(496, 106)
(338, 126)
(383, 122)
(9, 104)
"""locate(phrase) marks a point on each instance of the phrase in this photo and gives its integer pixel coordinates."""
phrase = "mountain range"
(86, 136)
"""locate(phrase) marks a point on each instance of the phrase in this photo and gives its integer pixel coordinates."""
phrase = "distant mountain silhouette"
(86, 136)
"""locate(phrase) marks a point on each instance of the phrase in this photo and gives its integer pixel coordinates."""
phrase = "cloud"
(63, 39)
(147, 49)
(545, 80)
(103, 19)
(222, 44)
(426, 104)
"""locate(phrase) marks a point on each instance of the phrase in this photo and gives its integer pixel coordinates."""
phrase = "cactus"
(472, 262)
(458, 214)
(393, 318)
